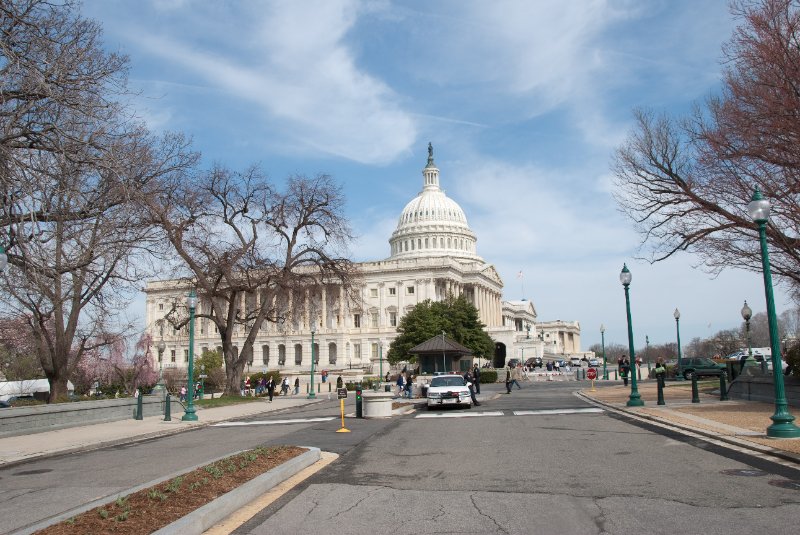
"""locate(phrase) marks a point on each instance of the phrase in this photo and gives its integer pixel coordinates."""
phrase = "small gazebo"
(441, 354)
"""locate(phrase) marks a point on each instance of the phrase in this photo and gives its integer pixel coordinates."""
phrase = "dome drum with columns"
(433, 254)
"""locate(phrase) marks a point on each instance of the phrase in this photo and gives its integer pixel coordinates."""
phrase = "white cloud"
(297, 70)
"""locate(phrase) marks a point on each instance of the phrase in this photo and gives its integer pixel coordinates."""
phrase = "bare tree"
(686, 183)
(71, 159)
(253, 252)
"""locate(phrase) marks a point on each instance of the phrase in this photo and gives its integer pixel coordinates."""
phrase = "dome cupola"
(432, 224)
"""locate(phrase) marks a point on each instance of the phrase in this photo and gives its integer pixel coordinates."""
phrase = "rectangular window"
(392, 291)
(161, 306)
(172, 355)
(410, 290)
(373, 292)
(374, 351)
(357, 352)
(357, 320)
(186, 355)
(373, 319)
(393, 319)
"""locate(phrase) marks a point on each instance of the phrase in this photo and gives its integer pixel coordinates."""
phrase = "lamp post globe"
(311, 393)
(634, 400)
(783, 422)
(603, 345)
(189, 414)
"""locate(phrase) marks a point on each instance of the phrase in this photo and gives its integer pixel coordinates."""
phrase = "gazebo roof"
(440, 344)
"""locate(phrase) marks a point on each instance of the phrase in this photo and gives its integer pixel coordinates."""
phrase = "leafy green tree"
(210, 364)
(457, 317)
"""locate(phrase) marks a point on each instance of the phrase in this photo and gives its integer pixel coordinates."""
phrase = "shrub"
(255, 378)
(792, 358)
(488, 376)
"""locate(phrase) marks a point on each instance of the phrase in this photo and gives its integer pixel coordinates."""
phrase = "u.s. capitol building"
(433, 255)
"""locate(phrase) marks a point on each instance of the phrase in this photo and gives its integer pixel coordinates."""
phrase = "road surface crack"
(475, 505)
(368, 495)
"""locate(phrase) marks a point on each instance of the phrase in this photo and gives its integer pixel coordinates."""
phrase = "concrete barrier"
(377, 404)
(761, 388)
(41, 418)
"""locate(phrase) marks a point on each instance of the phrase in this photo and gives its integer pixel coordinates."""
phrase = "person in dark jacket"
(476, 379)
(270, 386)
(471, 385)
(508, 380)
(624, 369)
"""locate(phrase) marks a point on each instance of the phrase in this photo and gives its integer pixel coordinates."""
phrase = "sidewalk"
(738, 422)
(25, 447)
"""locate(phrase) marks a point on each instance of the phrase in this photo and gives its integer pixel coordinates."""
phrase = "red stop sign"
(591, 373)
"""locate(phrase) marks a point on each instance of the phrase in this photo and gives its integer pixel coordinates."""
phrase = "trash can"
(387, 388)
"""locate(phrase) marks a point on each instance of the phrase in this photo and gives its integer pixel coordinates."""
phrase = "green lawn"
(224, 400)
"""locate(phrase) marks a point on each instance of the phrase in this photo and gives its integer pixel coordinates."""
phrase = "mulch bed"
(151, 509)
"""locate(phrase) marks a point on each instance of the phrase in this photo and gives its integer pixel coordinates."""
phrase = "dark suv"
(699, 366)
(534, 362)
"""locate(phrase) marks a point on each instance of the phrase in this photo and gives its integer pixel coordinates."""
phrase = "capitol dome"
(432, 224)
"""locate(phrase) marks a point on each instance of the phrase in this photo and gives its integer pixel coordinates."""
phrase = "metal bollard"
(577, 375)
(139, 408)
(660, 386)
(319, 388)
(329, 387)
(167, 408)
(695, 394)
(723, 387)
(615, 375)
(359, 407)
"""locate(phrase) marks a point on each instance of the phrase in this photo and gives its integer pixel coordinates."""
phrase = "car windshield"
(447, 381)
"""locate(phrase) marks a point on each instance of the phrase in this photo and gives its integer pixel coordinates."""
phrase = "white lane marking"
(274, 422)
(457, 414)
(557, 411)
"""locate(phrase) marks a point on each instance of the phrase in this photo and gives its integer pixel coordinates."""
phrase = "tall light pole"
(603, 342)
(189, 414)
(747, 313)
(311, 393)
(677, 316)
(782, 426)
(3, 258)
(647, 348)
(380, 359)
(625, 277)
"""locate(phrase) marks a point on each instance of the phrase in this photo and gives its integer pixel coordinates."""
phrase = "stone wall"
(760, 388)
(40, 418)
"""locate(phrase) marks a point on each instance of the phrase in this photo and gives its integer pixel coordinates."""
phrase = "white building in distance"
(433, 255)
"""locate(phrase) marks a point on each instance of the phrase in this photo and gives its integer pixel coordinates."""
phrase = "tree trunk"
(58, 388)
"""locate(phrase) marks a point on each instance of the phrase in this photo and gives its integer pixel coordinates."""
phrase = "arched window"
(298, 354)
(332, 353)
(281, 354)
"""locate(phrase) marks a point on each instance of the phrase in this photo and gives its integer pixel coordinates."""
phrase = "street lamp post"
(782, 426)
(647, 349)
(625, 277)
(189, 414)
(380, 359)
(311, 393)
(3, 258)
(677, 316)
(603, 342)
(747, 313)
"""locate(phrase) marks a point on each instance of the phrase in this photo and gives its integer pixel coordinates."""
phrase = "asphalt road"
(535, 472)
(537, 461)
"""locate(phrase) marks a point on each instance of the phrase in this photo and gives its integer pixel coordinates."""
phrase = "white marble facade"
(433, 254)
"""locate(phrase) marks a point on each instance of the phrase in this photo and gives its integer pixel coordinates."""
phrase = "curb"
(217, 510)
(754, 447)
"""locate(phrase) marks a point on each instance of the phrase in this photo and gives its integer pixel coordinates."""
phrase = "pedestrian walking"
(516, 375)
(476, 379)
(408, 386)
(624, 368)
(400, 384)
(183, 393)
(469, 380)
(339, 382)
(508, 380)
(285, 386)
(270, 386)
(296, 385)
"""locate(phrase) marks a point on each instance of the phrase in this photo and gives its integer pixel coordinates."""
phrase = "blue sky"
(524, 102)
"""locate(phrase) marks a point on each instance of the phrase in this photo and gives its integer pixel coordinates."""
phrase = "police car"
(448, 390)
